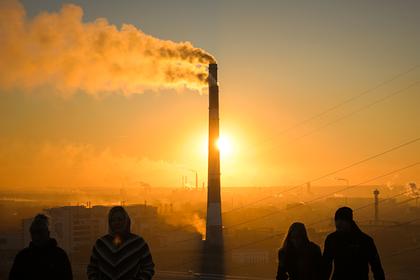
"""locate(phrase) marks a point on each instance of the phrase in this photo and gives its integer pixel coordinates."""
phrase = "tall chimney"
(214, 235)
(376, 195)
(196, 180)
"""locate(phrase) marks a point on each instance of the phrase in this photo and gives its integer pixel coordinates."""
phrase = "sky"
(280, 63)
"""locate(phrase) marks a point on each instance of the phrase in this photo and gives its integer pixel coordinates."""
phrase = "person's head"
(119, 221)
(40, 233)
(296, 236)
(344, 219)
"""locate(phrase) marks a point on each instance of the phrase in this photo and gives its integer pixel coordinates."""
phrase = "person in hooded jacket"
(351, 251)
(120, 255)
(42, 259)
(299, 258)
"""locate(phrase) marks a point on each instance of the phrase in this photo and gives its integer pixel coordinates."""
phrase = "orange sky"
(93, 128)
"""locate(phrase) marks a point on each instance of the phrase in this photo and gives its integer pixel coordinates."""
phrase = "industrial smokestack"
(196, 180)
(214, 235)
(376, 195)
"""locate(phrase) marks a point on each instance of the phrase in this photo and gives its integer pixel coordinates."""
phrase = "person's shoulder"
(133, 235)
(60, 251)
(107, 238)
(366, 237)
(136, 237)
(23, 253)
(331, 236)
(136, 241)
(53, 245)
(314, 246)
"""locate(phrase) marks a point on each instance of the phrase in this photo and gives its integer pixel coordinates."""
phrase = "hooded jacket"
(120, 256)
(352, 252)
(48, 262)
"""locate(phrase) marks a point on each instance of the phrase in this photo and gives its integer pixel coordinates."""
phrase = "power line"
(352, 98)
(316, 199)
(313, 180)
(327, 195)
(310, 181)
(340, 119)
(398, 203)
(338, 105)
(331, 173)
(311, 201)
(362, 207)
(354, 210)
(357, 209)
(330, 109)
(360, 109)
(386, 227)
(342, 169)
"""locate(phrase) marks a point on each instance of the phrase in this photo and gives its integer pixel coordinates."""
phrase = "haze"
(270, 59)
(106, 103)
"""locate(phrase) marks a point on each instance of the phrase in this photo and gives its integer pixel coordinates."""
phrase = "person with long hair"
(299, 258)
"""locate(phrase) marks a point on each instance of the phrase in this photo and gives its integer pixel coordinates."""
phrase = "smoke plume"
(194, 221)
(200, 225)
(61, 51)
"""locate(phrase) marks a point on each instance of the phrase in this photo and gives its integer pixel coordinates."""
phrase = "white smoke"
(60, 50)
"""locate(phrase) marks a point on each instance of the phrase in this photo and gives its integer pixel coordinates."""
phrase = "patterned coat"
(130, 260)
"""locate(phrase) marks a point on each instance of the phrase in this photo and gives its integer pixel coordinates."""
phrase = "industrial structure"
(376, 214)
(214, 236)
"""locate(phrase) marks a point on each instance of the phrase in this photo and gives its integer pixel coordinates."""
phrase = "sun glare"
(224, 144)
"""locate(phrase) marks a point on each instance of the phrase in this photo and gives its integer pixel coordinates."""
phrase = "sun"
(224, 144)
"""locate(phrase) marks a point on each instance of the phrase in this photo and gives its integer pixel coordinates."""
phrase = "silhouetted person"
(43, 259)
(351, 251)
(120, 254)
(299, 258)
